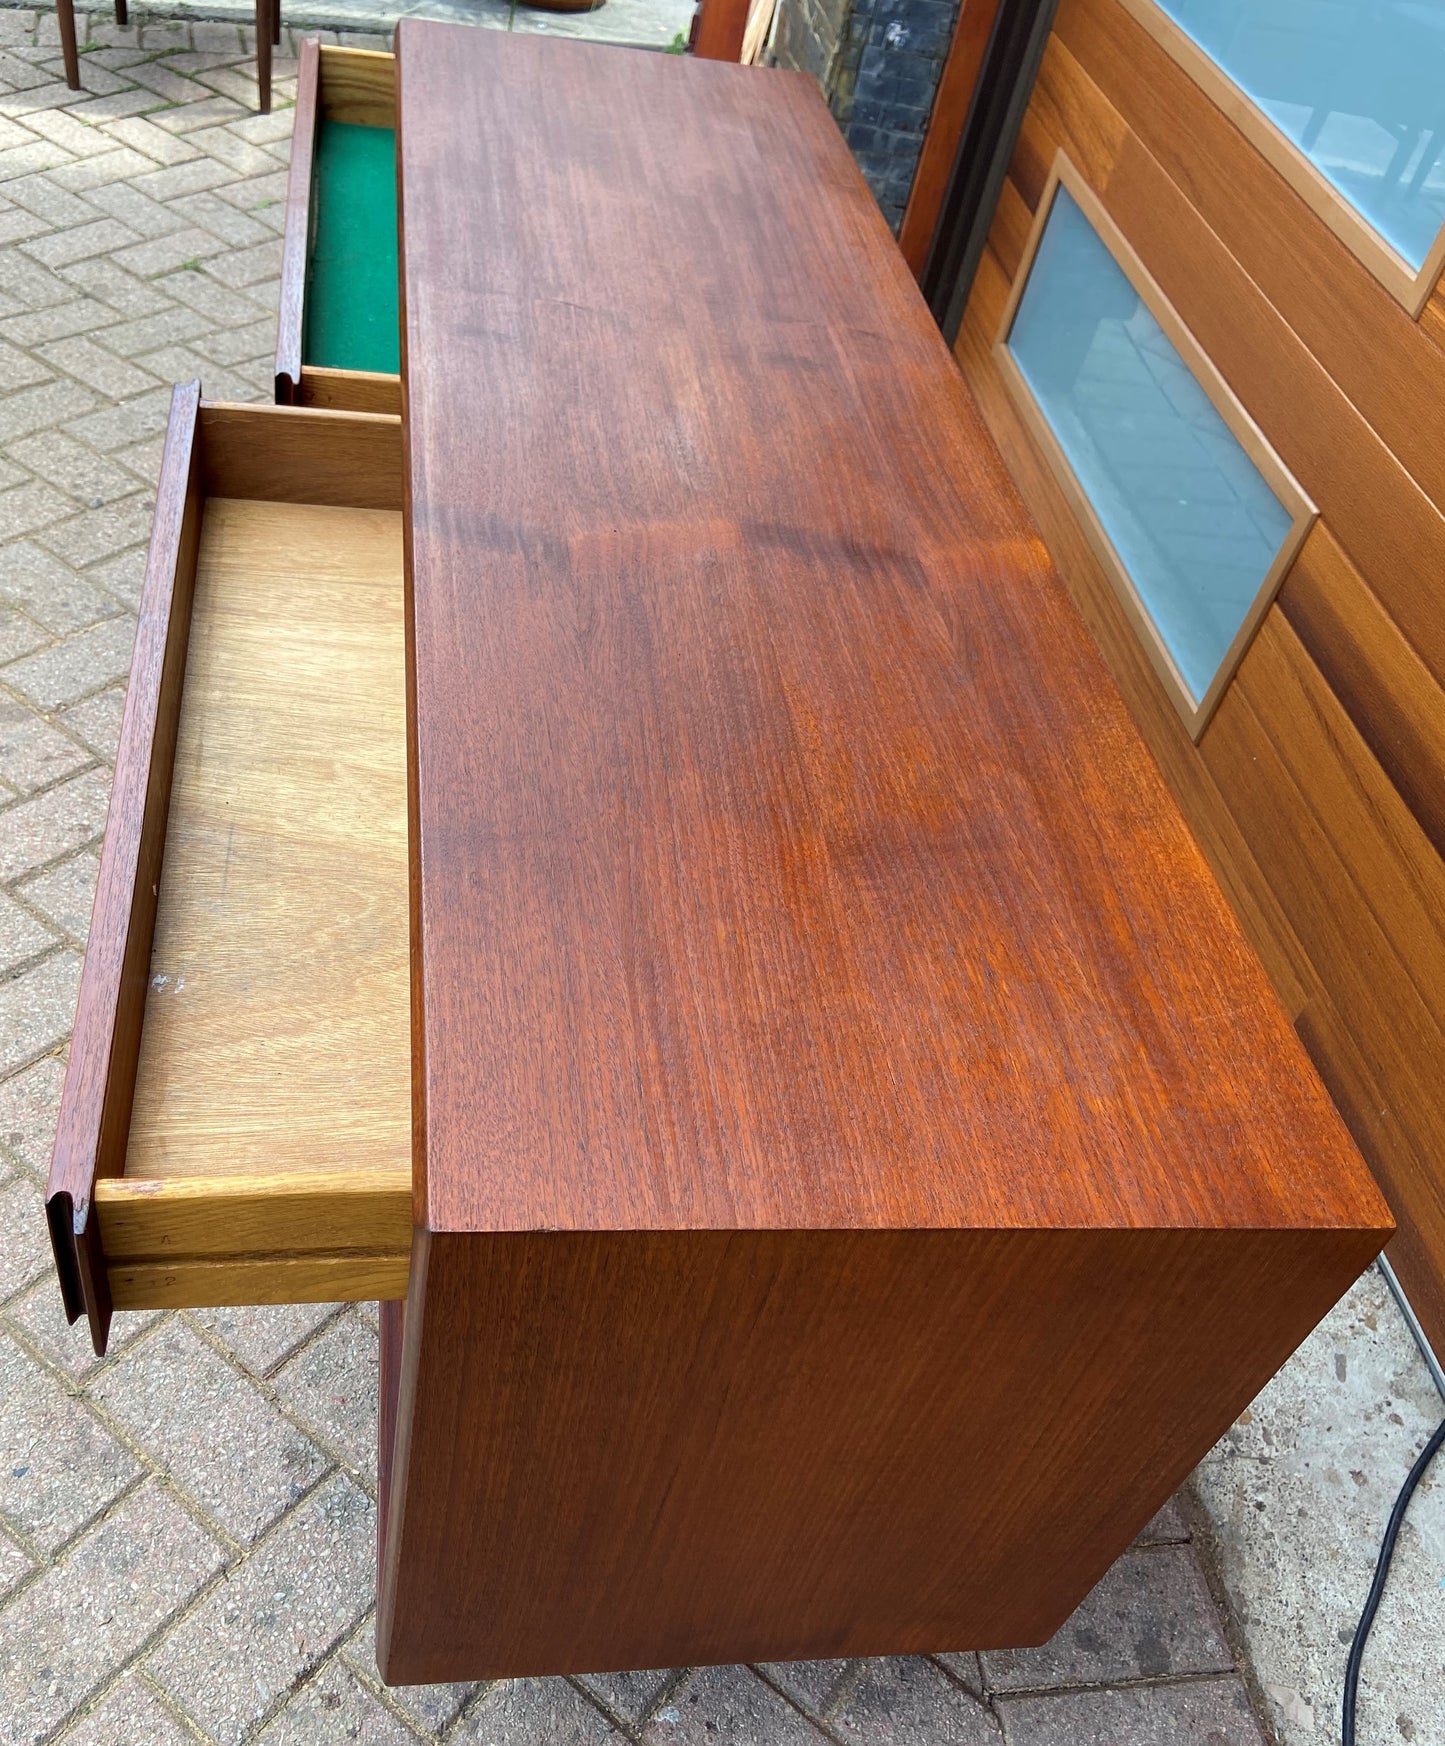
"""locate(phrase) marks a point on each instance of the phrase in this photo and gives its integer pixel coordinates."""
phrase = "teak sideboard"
(623, 849)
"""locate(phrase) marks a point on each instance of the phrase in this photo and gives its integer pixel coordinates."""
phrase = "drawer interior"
(262, 1137)
(274, 1071)
(351, 309)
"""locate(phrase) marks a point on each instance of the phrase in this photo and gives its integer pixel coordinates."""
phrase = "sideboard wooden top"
(784, 854)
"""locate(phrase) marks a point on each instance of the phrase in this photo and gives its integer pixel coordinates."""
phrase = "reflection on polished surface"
(1192, 520)
(1357, 85)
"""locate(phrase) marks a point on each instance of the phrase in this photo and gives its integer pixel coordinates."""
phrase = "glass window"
(1193, 522)
(1357, 85)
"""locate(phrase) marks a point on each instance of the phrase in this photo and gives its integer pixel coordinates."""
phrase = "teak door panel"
(235, 1125)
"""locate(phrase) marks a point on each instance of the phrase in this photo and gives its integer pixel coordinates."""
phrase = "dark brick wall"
(878, 62)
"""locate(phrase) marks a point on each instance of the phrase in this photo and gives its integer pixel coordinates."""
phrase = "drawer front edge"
(296, 243)
(95, 1104)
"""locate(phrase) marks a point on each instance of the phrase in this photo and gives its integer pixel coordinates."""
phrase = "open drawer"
(236, 1120)
(338, 335)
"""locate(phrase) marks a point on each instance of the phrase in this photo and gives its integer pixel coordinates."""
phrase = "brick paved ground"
(186, 1528)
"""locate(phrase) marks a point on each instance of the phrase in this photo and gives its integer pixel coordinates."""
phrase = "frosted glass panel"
(1358, 85)
(1189, 514)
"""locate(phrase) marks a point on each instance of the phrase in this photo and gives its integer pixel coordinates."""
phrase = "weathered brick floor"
(186, 1528)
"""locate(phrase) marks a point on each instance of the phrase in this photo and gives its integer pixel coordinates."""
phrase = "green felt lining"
(351, 275)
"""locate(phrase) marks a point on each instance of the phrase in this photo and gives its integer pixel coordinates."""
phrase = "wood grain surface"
(644, 1449)
(95, 1105)
(310, 455)
(350, 390)
(785, 852)
(275, 1037)
(1316, 791)
(291, 312)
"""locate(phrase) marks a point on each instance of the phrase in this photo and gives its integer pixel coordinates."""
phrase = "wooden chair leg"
(122, 12)
(65, 18)
(276, 21)
(263, 54)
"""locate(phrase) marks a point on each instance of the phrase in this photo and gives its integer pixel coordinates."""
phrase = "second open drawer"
(338, 331)
(236, 1120)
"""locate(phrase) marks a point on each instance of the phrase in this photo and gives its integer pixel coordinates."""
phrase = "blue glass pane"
(1188, 512)
(1358, 85)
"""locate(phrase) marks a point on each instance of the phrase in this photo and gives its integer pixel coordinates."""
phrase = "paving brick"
(37, 1008)
(112, 285)
(38, 408)
(165, 81)
(59, 126)
(218, 303)
(897, 1702)
(109, 429)
(96, 367)
(332, 1388)
(967, 1669)
(241, 267)
(177, 179)
(431, 1707)
(64, 894)
(16, 225)
(184, 1402)
(89, 173)
(19, 635)
(40, 154)
(226, 147)
(237, 345)
(29, 1104)
(150, 141)
(334, 1707)
(40, 1316)
(260, 1336)
(14, 1565)
(533, 1712)
(634, 1696)
(19, 370)
(1212, 1712)
(94, 1609)
(70, 670)
(1151, 1615)
(29, 507)
(728, 1703)
(104, 532)
(37, 831)
(33, 754)
(139, 212)
(47, 590)
(164, 327)
(812, 1685)
(97, 721)
(73, 468)
(277, 1615)
(62, 247)
(21, 937)
(129, 1714)
(1167, 1527)
(25, 1251)
(58, 1465)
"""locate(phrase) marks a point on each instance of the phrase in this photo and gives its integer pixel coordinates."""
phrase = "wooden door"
(1315, 779)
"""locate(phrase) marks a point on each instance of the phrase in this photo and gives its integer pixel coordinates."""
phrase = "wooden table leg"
(65, 17)
(122, 12)
(263, 51)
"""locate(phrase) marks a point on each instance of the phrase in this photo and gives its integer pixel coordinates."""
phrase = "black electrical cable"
(1377, 1587)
